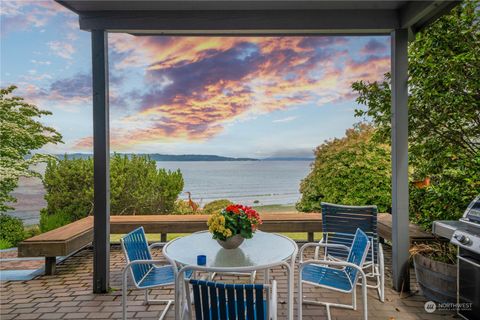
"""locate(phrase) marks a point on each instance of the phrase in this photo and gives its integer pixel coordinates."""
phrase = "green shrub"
(183, 207)
(4, 244)
(11, 229)
(448, 194)
(32, 231)
(216, 206)
(353, 170)
(52, 221)
(136, 187)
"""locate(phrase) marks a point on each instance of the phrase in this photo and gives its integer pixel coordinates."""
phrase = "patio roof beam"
(417, 14)
(242, 22)
(101, 163)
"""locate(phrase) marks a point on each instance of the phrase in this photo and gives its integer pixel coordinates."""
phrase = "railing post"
(311, 237)
(50, 265)
(400, 216)
(101, 163)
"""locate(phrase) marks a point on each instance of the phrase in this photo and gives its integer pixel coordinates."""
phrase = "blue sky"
(233, 96)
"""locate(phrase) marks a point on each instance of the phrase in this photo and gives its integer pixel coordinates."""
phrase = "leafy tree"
(136, 187)
(444, 114)
(20, 134)
(351, 170)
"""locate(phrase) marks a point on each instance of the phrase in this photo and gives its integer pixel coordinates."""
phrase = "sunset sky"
(232, 96)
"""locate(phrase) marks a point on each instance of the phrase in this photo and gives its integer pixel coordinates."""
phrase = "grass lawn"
(275, 208)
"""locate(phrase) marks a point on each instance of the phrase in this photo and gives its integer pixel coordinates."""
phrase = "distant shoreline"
(185, 157)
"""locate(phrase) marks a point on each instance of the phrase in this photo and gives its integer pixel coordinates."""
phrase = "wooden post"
(311, 237)
(163, 237)
(50, 265)
(400, 218)
(101, 163)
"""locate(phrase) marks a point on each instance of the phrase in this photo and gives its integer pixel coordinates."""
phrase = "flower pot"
(437, 280)
(232, 242)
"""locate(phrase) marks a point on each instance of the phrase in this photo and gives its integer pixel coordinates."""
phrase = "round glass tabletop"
(263, 249)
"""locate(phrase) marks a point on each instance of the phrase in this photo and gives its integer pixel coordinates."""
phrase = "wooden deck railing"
(76, 235)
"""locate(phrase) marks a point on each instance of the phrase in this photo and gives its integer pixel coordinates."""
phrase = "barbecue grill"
(465, 234)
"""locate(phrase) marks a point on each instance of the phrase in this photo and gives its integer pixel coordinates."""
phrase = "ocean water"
(246, 182)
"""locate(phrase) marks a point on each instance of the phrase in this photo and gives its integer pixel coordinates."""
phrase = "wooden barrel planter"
(437, 280)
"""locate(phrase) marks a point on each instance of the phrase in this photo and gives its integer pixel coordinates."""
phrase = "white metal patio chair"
(341, 276)
(145, 272)
(221, 301)
(339, 223)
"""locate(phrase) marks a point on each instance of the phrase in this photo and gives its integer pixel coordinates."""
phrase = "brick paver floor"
(68, 295)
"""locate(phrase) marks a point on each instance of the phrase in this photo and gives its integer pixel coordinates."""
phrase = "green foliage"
(136, 187)
(69, 191)
(216, 206)
(444, 114)
(4, 244)
(11, 229)
(353, 170)
(54, 220)
(32, 231)
(20, 134)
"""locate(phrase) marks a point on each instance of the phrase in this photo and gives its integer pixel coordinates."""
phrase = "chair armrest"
(321, 245)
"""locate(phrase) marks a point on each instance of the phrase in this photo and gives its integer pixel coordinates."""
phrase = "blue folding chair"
(339, 223)
(145, 272)
(339, 276)
(220, 301)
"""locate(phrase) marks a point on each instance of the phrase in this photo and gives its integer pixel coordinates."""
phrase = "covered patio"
(399, 19)
(68, 294)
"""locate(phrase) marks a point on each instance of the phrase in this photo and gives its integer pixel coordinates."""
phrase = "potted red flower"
(233, 224)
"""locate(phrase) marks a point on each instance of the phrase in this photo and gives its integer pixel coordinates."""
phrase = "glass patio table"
(263, 252)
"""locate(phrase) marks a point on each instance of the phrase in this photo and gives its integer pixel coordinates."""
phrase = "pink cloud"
(197, 85)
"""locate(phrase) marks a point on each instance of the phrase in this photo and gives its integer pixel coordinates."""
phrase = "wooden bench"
(60, 242)
(384, 228)
(68, 239)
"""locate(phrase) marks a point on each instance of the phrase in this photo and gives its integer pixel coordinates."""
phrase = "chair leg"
(164, 313)
(329, 315)
(364, 298)
(158, 301)
(124, 294)
(382, 273)
(300, 296)
(354, 298)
